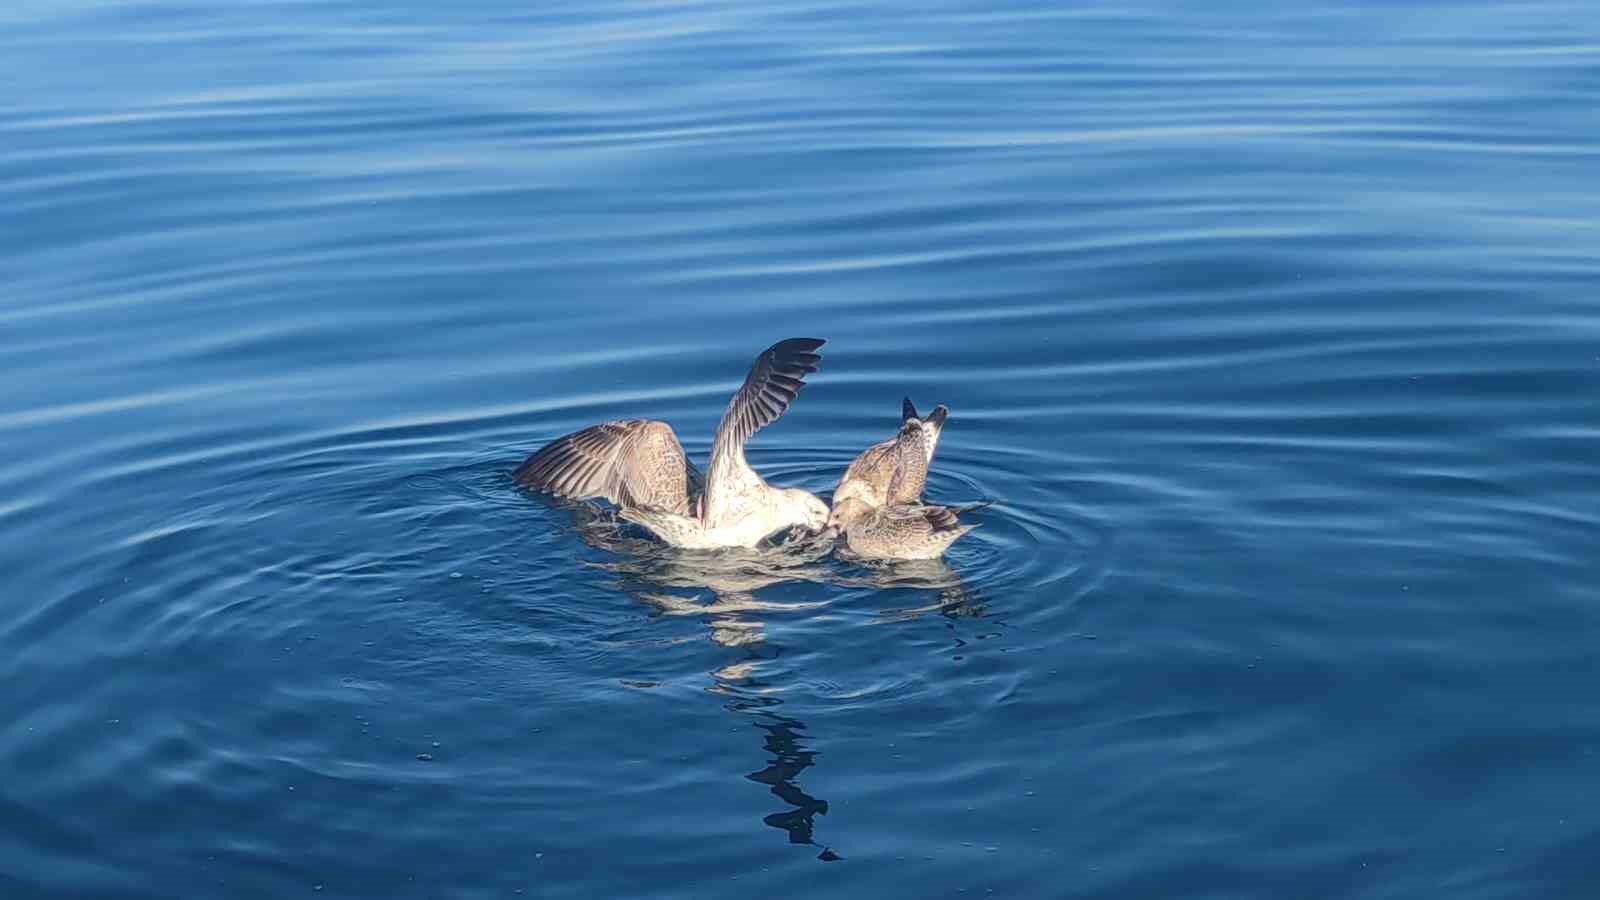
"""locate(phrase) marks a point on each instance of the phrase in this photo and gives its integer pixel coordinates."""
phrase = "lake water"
(1274, 335)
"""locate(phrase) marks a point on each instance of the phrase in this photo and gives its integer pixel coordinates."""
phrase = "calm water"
(1274, 335)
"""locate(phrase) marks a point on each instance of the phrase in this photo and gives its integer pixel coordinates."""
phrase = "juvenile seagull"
(894, 471)
(639, 465)
(902, 531)
(878, 504)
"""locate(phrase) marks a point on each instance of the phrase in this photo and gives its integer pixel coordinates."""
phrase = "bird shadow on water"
(725, 585)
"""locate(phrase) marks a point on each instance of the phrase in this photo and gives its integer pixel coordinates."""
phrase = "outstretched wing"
(774, 380)
(631, 462)
(910, 464)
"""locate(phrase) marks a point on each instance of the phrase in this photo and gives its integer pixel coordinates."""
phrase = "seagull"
(894, 471)
(878, 506)
(639, 465)
(902, 531)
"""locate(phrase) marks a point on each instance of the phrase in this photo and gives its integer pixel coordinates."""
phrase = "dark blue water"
(1274, 333)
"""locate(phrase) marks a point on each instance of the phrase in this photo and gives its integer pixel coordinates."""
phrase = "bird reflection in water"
(733, 575)
(788, 761)
(648, 571)
(783, 738)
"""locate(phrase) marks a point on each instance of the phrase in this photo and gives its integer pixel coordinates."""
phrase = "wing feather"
(940, 518)
(630, 462)
(910, 464)
(775, 378)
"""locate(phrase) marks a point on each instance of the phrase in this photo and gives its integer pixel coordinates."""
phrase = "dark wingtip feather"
(942, 518)
(908, 410)
(775, 379)
(570, 464)
(531, 473)
(798, 345)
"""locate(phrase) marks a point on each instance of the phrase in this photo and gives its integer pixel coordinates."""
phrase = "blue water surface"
(1272, 331)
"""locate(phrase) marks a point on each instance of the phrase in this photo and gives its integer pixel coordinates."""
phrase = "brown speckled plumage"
(902, 531)
(630, 462)
(878, 504)
(896, 470)
(639, 465)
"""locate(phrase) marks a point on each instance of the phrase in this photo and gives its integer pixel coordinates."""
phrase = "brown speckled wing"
(630, 462)
(775, 378)
(910, 465)
(905, 532)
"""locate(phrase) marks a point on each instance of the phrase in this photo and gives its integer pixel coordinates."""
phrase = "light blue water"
(1273, 333)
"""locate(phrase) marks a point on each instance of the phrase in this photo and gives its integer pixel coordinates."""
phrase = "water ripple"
(1268, 334)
